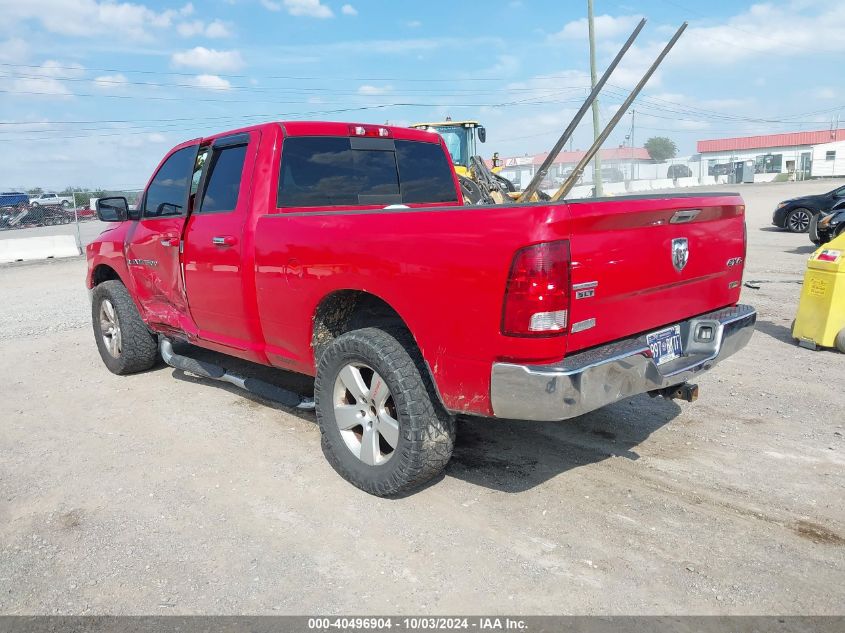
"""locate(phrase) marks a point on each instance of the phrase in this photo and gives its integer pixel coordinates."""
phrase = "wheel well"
(348, 310)
(104, 273)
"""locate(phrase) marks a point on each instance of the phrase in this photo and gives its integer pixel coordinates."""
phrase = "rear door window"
(224, 179)
(341, 171)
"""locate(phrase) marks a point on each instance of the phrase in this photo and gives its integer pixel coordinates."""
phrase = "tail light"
(537, 294)
(369, 130)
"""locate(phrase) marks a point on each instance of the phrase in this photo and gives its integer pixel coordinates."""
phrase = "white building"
(829, 159)
(788, 153)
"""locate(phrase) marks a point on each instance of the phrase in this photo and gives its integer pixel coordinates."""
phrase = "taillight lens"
(369, 130)
(537, 294)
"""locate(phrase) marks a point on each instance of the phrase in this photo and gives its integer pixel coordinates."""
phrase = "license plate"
(666, 344)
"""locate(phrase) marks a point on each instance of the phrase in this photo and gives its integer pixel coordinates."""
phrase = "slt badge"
(680, 253)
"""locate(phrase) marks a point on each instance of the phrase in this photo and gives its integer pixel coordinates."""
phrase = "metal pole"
(633, 142)
(532, 186)
(76, 222)
(597, 184)
(579, 169)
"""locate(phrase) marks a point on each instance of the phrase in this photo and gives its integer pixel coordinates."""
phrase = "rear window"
(341, 171)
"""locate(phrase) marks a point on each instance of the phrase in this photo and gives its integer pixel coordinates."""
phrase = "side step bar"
(254, 386)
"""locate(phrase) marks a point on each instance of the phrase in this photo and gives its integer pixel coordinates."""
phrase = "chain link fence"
(71, 212)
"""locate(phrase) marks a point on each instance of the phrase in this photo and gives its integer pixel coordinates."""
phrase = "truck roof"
(335, 128)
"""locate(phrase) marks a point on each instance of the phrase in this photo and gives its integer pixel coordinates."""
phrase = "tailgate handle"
(687, 215)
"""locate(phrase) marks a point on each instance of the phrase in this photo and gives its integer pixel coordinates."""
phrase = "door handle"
(170, 241)
(223, 240)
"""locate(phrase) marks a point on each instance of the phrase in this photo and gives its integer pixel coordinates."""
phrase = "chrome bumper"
(600, 376)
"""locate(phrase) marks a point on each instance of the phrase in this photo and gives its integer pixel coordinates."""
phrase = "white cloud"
(826, 93)
(90, 18)
(110, 82)
(208, 59)
(348, 9)
(309, 8)
(14, 50)
(46, 79)
(607, 27)
(413, 24)
(374, 90)
(215, 29)
(93, 18)
(211, 82)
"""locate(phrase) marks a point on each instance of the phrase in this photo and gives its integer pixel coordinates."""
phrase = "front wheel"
(798, 220)
(382, 428)
(125, 343)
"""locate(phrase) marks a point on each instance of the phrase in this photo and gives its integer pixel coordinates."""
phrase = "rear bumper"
(600, 376)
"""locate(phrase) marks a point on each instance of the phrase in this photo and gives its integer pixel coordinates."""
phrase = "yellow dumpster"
(821, 312)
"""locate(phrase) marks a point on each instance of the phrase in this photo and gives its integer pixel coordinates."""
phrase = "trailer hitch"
(685, 391)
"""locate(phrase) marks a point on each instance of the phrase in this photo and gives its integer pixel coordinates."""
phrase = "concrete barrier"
(614, 189)
(663, 183)
(639, 185)
(687, 182)
(708, 180)
(44, 247)
(581, 191)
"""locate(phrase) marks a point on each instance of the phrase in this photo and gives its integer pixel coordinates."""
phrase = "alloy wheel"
(366, 414)
(799, 221)
(110, 328)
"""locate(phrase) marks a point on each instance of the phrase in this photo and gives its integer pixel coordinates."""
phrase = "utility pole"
(633, 142)
(599, 192)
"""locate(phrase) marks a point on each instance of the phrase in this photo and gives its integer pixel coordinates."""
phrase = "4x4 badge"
(680, 253)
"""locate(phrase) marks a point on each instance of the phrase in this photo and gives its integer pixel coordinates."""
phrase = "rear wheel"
(382, 428)
(125, 343)
(798, 220)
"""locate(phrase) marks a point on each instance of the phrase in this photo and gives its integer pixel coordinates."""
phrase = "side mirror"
(112, 209)
(482, 134)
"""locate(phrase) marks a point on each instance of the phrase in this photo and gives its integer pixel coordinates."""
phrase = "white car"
(51, 200)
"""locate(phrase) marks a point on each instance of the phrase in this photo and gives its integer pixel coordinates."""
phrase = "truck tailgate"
(642, 263)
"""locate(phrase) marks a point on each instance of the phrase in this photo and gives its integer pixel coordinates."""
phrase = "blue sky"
(94, 92)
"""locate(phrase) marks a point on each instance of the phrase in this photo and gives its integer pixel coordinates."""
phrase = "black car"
(827, 226)
(795, 214)
(678, 171)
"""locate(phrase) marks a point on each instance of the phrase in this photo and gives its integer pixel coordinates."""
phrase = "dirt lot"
(165, 494)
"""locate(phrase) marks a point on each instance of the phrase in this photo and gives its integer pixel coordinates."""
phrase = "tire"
(132, 347)
(839, 342)
(34, 205)
(65, 204)
(798, 220)
(424, 433)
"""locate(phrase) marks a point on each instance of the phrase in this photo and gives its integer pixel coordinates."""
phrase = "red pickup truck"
(344, 251)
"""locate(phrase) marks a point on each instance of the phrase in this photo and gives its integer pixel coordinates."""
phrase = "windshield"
(456, 138)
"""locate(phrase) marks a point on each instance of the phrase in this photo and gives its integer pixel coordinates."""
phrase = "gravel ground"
(164, 494)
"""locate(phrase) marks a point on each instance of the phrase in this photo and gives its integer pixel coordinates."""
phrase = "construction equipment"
(482, 185)
(461, 138)
(820, 321)
(479, 183)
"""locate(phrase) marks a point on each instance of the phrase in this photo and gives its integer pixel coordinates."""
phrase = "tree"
(661, 148)
(35, 192)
